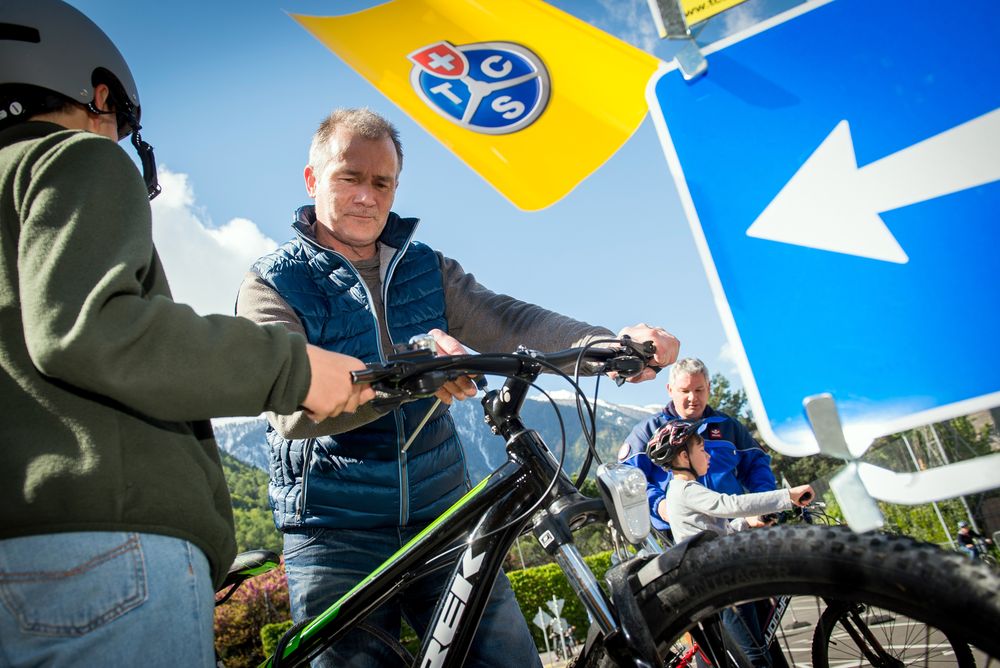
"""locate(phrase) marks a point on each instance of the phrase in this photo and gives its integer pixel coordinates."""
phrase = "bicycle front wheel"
(853, 634)
(830, 566)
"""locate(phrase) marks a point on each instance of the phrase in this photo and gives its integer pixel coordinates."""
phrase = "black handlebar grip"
(363, 376)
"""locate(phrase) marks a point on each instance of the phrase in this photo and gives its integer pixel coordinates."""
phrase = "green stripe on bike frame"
(331, 613)
(268, 565)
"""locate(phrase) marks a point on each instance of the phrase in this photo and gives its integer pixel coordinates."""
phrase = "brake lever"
(626, 365)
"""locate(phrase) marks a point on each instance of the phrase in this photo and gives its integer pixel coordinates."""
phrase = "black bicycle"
(650, 598)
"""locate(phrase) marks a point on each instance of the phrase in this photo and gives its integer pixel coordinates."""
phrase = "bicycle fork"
(618, 619)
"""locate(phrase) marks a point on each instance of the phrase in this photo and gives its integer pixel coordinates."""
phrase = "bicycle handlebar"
(415, 373)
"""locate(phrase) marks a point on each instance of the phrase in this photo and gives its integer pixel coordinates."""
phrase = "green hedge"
(534, 588)
(271, 634)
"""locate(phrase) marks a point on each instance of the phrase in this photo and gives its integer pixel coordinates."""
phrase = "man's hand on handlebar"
(667, 348)
(331, 389)
(462, 387)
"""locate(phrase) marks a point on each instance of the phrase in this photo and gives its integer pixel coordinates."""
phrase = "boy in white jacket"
(693, 508)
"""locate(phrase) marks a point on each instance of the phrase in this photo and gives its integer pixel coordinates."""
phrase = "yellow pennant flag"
(531, 98)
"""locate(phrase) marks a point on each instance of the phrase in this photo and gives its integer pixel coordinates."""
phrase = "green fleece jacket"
(106, 383)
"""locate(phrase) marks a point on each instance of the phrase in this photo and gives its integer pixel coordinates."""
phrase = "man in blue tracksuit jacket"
(738, 464)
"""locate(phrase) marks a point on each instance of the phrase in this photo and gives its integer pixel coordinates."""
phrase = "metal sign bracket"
(668, 15)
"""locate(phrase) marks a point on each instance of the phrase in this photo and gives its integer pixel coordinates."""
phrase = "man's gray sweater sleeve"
(489, 322)
(259, 302)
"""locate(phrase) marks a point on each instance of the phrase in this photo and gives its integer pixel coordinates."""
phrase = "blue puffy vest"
(361, 478)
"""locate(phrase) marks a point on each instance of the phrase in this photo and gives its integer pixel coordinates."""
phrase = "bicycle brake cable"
(559, 468)
(580, 394)
(590, 438)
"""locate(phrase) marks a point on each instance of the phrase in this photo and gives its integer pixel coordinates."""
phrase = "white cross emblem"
(439, 61)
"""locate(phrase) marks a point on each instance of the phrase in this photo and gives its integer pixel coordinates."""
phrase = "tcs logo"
(489, 87)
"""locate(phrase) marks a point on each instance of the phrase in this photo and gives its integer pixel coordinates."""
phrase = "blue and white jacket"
(738, 464)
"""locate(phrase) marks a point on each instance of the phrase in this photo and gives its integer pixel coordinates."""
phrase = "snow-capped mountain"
(243, 438)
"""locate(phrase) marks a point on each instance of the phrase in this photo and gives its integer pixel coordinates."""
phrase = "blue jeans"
(744, 626)
(104, 598)
(323, 564)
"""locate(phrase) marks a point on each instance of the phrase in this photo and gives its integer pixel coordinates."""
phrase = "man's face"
(689, 392)
(354, 193)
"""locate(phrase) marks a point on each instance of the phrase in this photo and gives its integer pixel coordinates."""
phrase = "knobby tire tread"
(895, 572)
(941, 588)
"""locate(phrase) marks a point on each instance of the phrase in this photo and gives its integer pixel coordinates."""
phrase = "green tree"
(248, 488)
(731, 402)
(796, 470)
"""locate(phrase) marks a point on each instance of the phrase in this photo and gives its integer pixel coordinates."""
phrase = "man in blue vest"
(344, 491)
(738, 464)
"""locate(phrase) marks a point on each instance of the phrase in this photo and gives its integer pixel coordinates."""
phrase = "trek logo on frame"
(453, 610)
(490, 87)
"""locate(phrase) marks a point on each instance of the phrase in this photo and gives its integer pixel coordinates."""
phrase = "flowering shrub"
(259, 601)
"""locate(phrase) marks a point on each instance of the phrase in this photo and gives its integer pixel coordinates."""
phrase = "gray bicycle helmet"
(47, 46)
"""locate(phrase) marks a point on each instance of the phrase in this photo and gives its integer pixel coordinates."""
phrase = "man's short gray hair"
(363, 122)
(688, 365)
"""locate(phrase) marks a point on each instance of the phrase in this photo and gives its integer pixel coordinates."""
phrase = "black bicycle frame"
(492, 514)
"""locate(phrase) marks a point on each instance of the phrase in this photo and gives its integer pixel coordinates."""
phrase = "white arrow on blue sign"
(839, 165)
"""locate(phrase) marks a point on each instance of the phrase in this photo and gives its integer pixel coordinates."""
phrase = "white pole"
(545, 633)
(562, 638)
(937, 510)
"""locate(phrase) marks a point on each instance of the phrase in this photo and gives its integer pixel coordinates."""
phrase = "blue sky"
(232, 92)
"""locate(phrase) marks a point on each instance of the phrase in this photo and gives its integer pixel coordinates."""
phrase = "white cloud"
(632, 22)
(204, 264)
(727, 358)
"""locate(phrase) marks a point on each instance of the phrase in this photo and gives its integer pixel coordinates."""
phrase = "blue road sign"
(840, 168)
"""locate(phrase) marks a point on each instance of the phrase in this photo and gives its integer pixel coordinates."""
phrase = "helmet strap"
(687, 469)
(126, 117)
(145, 152)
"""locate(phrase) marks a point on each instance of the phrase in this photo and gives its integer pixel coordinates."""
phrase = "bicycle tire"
(872, 634)
(896, 573)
